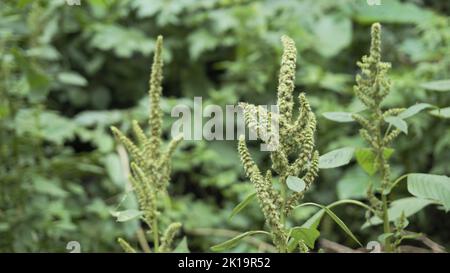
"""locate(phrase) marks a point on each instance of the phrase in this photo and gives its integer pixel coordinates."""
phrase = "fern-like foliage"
(151, 164)
(292, 153)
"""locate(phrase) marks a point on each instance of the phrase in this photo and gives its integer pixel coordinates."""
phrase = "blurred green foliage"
(69, 72)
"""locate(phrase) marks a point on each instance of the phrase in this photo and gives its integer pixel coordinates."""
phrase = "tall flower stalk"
(292, 153)
(372, 87)
(151, 164)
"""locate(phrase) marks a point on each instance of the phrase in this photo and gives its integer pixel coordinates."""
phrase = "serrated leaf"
(126, 215)
(247, 200)
(336, 158)
(234, 241)
(338, 116)
(307, 235)
(442, 86)
(397, 123)
(430, 186)
(295, 184)
(412, 110)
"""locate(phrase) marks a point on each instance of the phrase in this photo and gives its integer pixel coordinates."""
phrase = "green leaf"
(182, 247)
(325, 209)
(234, 241)
(295, 184)
(126, 215)
(408, 206)
(333, 34)
(201, 41)
(353, 184)
(412, 110)
(366, 159)
(430, 186)
(443, 112)
(122, 40)
(442, 86)
(384, 236)
(242, 204)
(397, 123)
(114, 169)
(307, 235)
(336, 158)
(48, 186)
(338, 116)
(391, 11)
(72, 78)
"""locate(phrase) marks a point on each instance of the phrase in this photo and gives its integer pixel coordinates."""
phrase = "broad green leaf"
(333, 34)
(366, 159)
(443, 112)
(353, 184)
(338, 116)
(390, 11)
(307, 235)
(443, 85)
(336, 158)
(182, 247)
(430, 186)
(295, 184)
(398, 123)
(408, 206)
(48, 186)
(384, 236)
(72, 78)
(122, 40)
(243, 204)
(234, 241)
(114, 169)
(412, 110)
(126, 215)
(201, 41)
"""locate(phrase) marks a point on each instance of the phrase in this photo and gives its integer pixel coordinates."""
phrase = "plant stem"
(386, 225)
(384, 170)
(283, 248)
(155, 235)
(142, 240)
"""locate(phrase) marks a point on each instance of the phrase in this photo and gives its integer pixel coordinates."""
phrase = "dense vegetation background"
(69, 72)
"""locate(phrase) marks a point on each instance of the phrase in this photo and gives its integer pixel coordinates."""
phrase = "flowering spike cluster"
(151, 165)
(372, 86)
(168, 237)
(155, 91)
(289, 138)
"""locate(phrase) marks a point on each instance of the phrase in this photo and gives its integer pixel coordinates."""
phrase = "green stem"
(386, 225)
(283, 248)
(385, 180)
(155, 235)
